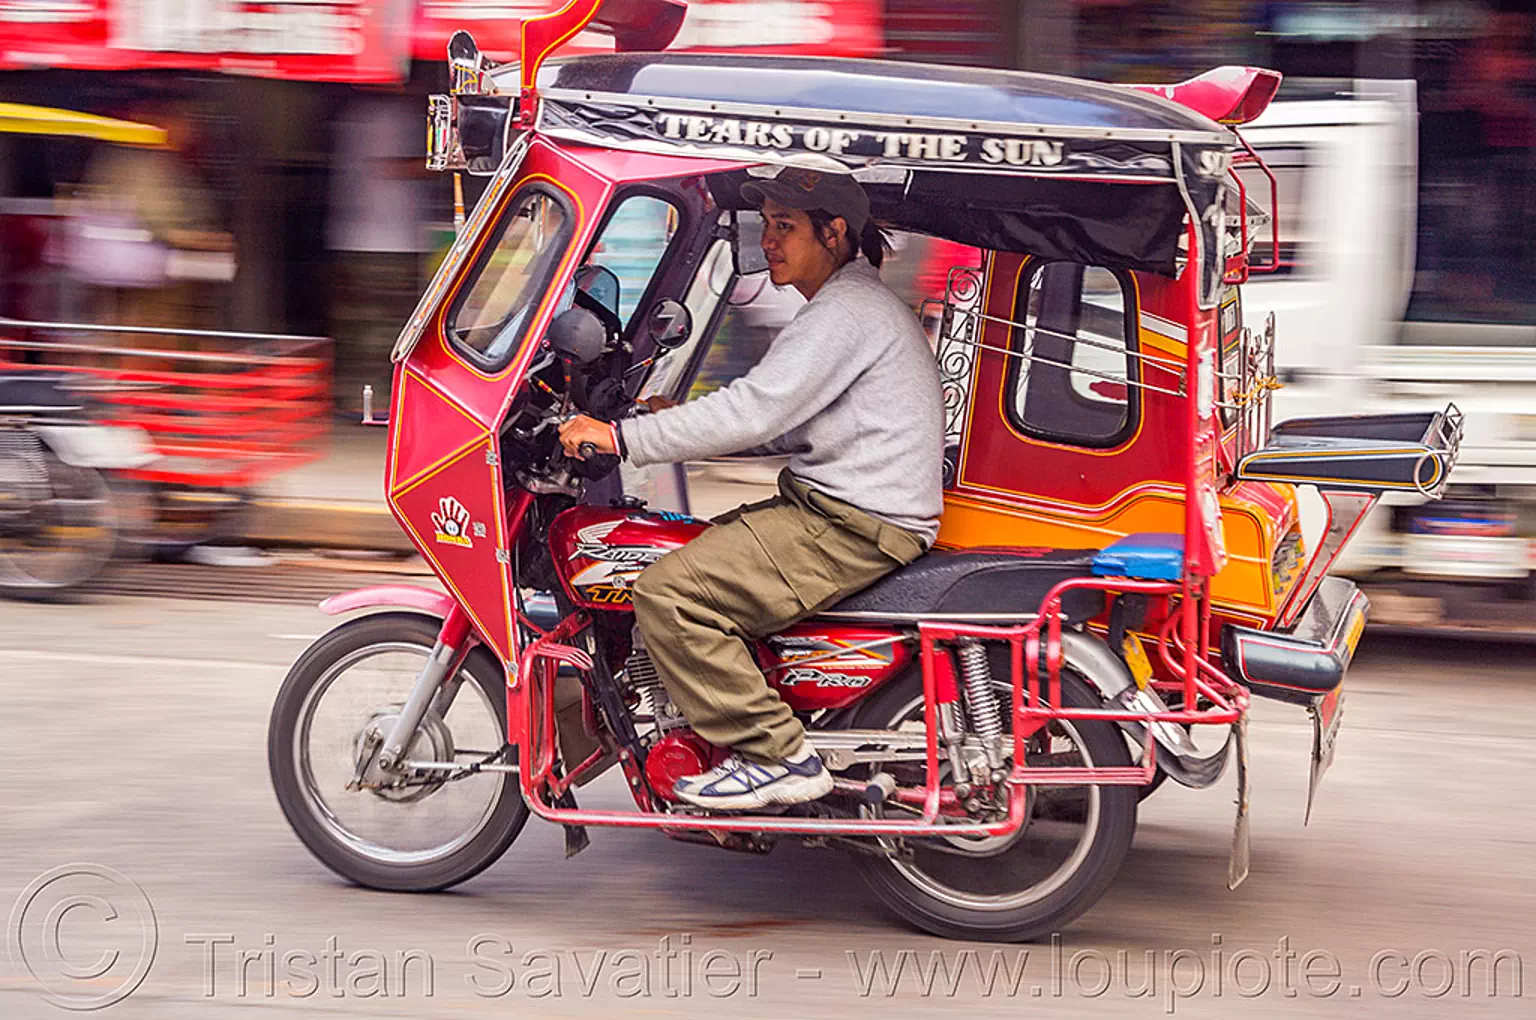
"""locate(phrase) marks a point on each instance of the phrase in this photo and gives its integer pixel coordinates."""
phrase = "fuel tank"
(599, 551)
(814, 665)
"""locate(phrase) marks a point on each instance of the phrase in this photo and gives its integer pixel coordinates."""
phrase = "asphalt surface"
(134, 740)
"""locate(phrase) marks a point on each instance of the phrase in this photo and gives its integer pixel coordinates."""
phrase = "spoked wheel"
(427, 832)
(1020, 887)
(57, 522)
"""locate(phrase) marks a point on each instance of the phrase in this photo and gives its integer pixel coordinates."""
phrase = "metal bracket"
(1237, 864)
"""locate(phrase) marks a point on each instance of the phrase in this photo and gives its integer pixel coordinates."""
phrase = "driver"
(850, 391)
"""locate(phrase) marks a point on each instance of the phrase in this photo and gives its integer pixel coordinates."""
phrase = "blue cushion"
(1147, 556)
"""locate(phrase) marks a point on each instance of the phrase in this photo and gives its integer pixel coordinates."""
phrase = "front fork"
(429, 692)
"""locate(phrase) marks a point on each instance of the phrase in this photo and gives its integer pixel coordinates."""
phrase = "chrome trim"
(1345, 511)
(410, 336)
(887, 120)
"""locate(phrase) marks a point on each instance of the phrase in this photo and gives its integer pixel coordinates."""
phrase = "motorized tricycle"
(1120, 560)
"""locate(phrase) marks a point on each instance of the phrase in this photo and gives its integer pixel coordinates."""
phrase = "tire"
(318, 827)
(1021, 914)
(84, 502)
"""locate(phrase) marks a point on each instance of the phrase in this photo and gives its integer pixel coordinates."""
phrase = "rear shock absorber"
(981, 702)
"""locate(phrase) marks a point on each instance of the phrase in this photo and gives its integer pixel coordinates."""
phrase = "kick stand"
(576, 838)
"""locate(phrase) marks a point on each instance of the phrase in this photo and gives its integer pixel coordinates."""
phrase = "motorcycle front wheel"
(1017, 888)
(425, 834)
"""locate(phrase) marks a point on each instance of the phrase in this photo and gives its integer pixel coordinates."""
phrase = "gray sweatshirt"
(849, 389)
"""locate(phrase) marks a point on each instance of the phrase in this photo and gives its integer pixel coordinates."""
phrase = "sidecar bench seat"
(976, 585)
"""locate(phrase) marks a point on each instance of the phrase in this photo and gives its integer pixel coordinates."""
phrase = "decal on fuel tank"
(817, 678)
(615, 567)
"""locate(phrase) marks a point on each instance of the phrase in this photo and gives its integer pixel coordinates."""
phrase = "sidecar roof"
(1004, 160)
(888, 95)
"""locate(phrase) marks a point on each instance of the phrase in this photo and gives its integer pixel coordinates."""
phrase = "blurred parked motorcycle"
(59, 517)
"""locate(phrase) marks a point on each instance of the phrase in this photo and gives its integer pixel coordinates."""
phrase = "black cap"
(799, 188)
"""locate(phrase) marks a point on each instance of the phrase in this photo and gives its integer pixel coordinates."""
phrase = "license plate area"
(1326, 713)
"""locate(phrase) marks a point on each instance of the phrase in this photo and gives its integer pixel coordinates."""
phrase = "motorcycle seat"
(980, 585)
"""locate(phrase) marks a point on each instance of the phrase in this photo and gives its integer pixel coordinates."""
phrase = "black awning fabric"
(1118, 226)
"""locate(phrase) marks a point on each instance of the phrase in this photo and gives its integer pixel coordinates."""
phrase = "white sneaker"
(737, 784)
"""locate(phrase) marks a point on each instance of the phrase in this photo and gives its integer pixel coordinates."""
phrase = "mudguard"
(1093, 660)
(399, 596)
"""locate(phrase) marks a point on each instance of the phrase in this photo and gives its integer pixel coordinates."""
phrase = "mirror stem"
(458, 203)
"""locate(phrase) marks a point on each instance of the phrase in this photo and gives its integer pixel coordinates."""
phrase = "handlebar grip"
(586, 451)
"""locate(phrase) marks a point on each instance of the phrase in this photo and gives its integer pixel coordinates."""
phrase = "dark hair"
(872, 243)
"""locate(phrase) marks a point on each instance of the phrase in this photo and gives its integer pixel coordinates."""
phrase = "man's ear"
(839, 231)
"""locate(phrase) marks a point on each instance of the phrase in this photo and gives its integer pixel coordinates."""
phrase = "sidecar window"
(490, 316)
(1072, 379)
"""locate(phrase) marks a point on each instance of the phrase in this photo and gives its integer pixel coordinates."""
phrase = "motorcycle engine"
(677, 755)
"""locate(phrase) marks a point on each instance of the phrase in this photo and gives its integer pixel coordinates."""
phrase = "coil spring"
(976, 675)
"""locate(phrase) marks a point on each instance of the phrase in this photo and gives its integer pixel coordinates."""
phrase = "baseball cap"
(799, 188)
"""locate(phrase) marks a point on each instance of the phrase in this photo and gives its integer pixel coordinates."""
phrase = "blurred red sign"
(373, 40)
(312, 40)
(846, 28)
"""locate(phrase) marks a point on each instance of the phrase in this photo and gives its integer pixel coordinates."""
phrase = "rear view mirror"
(467, 66)
(669, 324)
(578, 336)
(601, 284)
(747, 243)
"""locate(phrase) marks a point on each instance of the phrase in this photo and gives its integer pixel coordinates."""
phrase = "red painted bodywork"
(599, 551)
(1231, 95)
(849, 675)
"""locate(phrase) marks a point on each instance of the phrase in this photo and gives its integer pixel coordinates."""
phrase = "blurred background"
(306, 167)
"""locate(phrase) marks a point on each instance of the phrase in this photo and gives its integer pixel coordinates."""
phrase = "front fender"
(400, 596)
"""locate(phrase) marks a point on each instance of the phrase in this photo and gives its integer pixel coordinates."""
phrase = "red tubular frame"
(530, 703)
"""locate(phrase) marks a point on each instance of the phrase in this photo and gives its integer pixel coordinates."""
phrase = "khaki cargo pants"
(763, 567)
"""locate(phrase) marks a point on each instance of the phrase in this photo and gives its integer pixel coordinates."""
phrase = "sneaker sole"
(795, 790)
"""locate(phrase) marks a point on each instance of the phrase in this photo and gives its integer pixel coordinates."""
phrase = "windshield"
(490, 318)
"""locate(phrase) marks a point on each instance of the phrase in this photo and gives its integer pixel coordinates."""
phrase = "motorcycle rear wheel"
(358, 834)
(986, 894)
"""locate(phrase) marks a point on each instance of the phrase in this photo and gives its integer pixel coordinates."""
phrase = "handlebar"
(586, 451)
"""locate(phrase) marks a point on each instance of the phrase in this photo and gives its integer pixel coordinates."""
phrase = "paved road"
(134, 740)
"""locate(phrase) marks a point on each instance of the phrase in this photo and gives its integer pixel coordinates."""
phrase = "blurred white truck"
(1348, 211)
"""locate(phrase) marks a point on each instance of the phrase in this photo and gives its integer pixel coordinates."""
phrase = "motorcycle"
(60, 518)
(992, 712)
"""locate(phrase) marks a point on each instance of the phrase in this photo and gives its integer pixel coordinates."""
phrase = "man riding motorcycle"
(849, 389)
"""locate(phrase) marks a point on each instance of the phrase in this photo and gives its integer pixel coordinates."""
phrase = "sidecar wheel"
(420, 838)
(1018, 888)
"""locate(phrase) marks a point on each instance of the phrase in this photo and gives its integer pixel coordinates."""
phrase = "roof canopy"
(999, 159)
